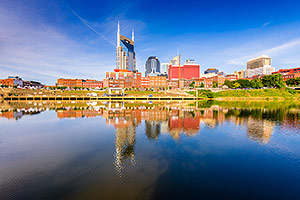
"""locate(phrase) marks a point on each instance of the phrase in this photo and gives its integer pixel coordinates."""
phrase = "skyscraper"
(124, 61)
(152, 65)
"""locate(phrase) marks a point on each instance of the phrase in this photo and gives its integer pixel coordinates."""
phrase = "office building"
(187, 71)
(164, 68)
(241, 74)
(211, 70)
(260, 66)
(123, 60)
(152, 66)
(175, 61)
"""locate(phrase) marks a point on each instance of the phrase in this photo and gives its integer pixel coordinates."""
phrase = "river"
(199, 150)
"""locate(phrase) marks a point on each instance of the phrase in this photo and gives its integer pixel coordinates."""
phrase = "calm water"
(203, 150)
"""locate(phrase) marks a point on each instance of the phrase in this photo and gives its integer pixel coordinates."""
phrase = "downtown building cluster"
(172, 74)
(159, 75)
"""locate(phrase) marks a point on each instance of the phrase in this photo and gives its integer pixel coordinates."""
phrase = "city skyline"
(44, 41)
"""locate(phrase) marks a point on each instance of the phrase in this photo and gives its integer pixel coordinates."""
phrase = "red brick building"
(187, 71)
(8, 82)
(158, 82)
(92, 84)
(137, 80)
(144, 82)
(217, 79)
(231, 77)
(288, 76)
(71, 83)
(287, 71)
(208, 83)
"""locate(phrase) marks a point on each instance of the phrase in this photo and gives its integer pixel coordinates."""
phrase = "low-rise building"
(291, 75)
(144, 82)
(137, 80)
(71, 83)
(208, 83)
(33, 84)
(12, 81)
(172, 83)
(92, 84)
(157, 82)
(217, 79)
(287, 71)
(231, 77)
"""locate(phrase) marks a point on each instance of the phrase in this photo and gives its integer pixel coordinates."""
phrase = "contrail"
(91, 28)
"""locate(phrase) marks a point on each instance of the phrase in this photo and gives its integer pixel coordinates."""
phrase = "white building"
(259, 66)
(164, 68)
(265, 70)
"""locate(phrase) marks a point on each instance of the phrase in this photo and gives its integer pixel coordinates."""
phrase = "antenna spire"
(132, 37)
(118, 35)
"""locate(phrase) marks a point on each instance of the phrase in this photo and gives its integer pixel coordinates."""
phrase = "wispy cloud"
(91, 28)
(35, 50)
(266, 24)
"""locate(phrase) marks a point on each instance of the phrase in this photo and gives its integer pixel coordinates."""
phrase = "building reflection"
(260, 130)
(175, 120)
(16, 115)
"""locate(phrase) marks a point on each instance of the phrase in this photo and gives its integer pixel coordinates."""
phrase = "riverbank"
(250, 94)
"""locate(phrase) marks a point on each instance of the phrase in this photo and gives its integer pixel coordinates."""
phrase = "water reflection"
(175, 119)
(185, 143)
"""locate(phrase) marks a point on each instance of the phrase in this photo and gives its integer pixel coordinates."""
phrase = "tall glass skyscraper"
(152, 65)
(124, 61)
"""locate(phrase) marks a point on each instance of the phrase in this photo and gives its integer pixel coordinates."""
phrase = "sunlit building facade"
(123, 60)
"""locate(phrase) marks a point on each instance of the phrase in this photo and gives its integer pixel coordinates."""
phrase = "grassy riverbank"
(263, 94)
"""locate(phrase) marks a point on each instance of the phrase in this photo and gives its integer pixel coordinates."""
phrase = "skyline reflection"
(107, 149)
(175, 120)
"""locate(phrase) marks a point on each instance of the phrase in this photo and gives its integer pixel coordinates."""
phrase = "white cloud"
(42, 50)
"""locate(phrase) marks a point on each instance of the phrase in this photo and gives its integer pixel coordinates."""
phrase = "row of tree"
(293, 81)
(270, 81)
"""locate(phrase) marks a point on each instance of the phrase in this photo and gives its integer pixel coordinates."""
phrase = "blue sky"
(44, 40)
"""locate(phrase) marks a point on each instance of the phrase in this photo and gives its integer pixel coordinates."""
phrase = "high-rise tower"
(123, 60)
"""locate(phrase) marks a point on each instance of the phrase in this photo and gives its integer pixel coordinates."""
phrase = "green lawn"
(274, 93)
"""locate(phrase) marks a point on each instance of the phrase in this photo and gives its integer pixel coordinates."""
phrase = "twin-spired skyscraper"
(124, 61)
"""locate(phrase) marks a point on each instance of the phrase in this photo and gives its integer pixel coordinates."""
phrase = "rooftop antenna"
(132, 37)
(118, 35)
(178, 68)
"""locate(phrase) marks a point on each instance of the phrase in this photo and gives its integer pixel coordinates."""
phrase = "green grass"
(264, 93)
(274, 94)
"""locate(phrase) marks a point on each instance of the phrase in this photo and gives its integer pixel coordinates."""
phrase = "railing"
(87, 98)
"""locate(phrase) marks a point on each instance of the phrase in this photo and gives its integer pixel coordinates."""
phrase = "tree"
(275, 81)
(192, 84)
(202, 85)
(244, 83)
(256, 83)
(293, 81)
(235, 85)
(227, 82)
(215, 84)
